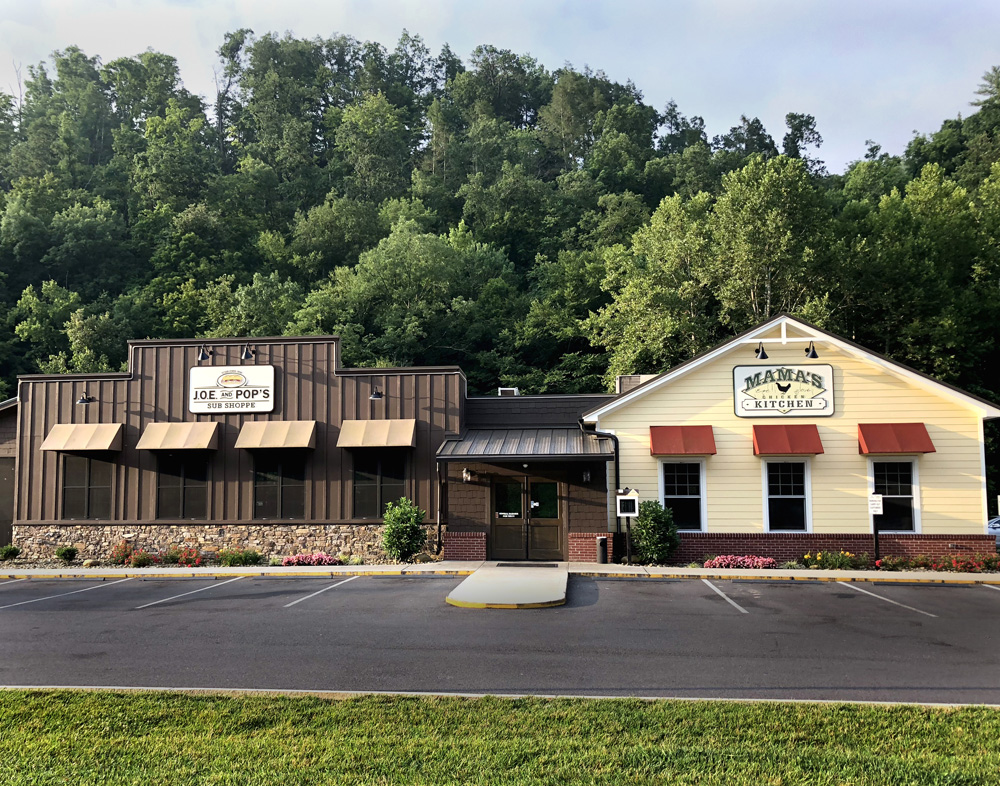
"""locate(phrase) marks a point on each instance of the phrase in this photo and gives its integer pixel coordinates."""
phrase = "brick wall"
(465, 546)
(697, 546)
(583, 546)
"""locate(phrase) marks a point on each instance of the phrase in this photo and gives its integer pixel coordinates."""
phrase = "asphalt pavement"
(699, 637)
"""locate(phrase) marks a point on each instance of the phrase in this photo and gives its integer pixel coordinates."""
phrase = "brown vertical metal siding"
(156, 390)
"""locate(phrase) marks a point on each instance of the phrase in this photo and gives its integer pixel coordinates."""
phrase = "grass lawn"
(160, 738)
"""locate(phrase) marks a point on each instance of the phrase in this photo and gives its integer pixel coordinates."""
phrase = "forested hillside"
(541, 228)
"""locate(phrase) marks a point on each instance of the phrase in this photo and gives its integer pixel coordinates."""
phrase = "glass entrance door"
(526, 525)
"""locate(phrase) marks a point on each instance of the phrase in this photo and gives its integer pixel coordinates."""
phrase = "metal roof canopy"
(73, 437)
(180, 436)
(277, 434)
(536, 444)
(399, 433)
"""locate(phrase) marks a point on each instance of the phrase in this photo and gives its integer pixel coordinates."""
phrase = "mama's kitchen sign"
(237, 389)
(774, 391)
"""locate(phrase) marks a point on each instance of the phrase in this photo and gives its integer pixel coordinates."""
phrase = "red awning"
(681, 441)
(894, 438)
(786, 439)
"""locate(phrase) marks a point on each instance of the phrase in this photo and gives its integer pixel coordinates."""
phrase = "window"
(182, 485)
(787, 502)
(86, 487)
(681, 493)
(894, 481)
(279, 486)
(379, 477)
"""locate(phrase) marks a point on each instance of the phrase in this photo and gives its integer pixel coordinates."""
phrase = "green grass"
(50, 737)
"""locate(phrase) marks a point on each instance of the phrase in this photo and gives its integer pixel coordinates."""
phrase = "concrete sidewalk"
(467, 568)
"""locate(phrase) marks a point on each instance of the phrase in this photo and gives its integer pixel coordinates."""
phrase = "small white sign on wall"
(875, 504)
(774, 391)
(222, 389)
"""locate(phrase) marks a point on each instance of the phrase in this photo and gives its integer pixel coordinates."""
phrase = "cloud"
(865, 69)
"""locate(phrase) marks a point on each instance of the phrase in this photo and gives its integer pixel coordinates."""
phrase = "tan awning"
(378, 434)
(277, 434)
(180, 436)
(73, 437)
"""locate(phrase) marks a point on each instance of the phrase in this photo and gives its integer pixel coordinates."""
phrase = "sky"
(879, 70)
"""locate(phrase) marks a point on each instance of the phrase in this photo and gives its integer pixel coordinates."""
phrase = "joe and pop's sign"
(218, 389)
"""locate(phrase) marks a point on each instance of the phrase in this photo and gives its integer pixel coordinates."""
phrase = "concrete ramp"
(512, 586)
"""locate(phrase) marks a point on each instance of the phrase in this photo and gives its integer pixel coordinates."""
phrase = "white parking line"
(992, 586)
(12, 581)
(192, 592)
(725, 597)
(887, 600)
(352, 578)
(63, 594)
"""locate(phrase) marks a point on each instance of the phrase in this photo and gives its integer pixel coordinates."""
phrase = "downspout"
(618, 480)
(442, 495)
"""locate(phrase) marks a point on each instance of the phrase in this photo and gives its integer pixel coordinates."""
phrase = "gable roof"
(986, 409)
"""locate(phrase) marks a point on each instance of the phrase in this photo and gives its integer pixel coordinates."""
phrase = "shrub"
(140, 558)
(790, 565)
(891, 562)
(654, 534)
(747, 561)
(235, 558)
(403, 536)
(190, 558)
(170, 556)
(121, 554)
(9, 551)
(319, 558)
(66, 553)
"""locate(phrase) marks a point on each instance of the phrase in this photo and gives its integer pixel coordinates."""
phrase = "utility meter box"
(628, 503)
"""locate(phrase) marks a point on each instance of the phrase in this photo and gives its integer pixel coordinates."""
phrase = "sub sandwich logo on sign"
(779, 390)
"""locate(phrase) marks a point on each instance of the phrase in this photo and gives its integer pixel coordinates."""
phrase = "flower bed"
(746, 561)
(319, 558)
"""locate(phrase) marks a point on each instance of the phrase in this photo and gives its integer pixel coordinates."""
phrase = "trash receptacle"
(602, 551)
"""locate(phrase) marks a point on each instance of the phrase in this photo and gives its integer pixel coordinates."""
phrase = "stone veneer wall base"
(95, 541)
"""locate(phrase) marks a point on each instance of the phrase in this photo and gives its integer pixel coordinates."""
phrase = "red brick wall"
(583, 546)
(697, 546)
(465, 546)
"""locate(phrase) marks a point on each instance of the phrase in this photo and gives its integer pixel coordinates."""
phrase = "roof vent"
(625, 382)
(508, 392)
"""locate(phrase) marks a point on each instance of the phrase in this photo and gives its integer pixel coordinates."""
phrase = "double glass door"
(527, 520)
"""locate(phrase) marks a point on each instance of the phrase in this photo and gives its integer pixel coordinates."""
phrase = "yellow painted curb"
(470, 605)
(738, 577)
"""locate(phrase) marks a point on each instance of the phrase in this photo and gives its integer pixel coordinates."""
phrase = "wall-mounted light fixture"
(468, 475)
(759, 353)
(811, 351)
(376, 395)
(248, 353)
(204, 353)
(586, 476)
(86, 398)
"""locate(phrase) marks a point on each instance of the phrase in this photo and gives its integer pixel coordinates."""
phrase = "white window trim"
(808, 489)
(894, 458)
(703, 501)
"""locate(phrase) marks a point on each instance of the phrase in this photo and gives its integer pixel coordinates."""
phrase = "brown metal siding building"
(308, 386)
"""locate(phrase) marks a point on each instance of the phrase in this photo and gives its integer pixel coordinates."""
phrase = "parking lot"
(685, 638)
